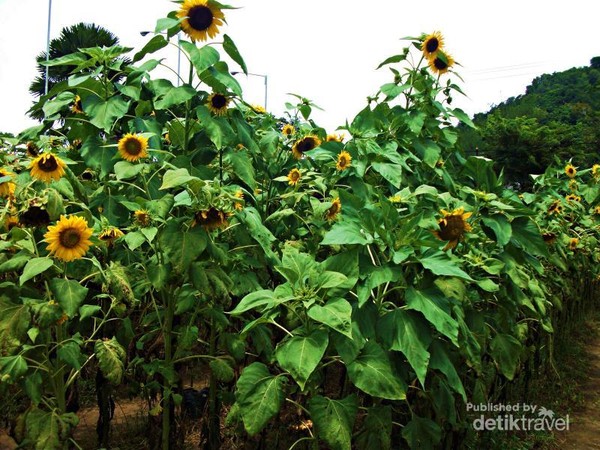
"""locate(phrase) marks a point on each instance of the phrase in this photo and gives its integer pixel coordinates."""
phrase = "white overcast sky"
(327, 50)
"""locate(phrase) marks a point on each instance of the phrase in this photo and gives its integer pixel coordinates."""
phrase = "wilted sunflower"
(441, 62)
(7, 188)
(335, 138)
(76, 106)
(211, 219)
(573, 243)
(294, 177)
(453, 227)
(597, 210)
(304, 145)
(555, 208)
(432, 44)
(334, 210)
(110, 235)
(202, 19)
(142, 217)
(596, 171)
(343, 161)
(132, 147)
(288, 130)
(239, 205)
(570, 171)
(549, 238)
(47, 167)
(217, 104)
(34, 216)
(69, 239)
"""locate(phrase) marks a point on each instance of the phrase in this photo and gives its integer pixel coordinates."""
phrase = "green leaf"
(175, 96)
(376, 431)
(154, 44)
(441, 361)
(125, 170)
(431, 306)
(422, 434)
(527, 236)
(372, 373)
(69, 295)
(501, 227)
(111, 359)
(441, 264)
(47, 430)
(104, 113)
(86, 311)
(391, 172)
(33, 387)
(14, 323)
(251, 219)
(408, 333)
(300, 355)
(336, 314)
(346, 232)
(506, 350)
(428, 151)
(34, 267)
(176, 177)
(242, 167)
(182, 245)
(134, 239)
(334, 420)
(232, 51)
(462, 116)
(259, 396)
(202, 58)
(393, 90)
(13, 366)
(219, 77)
(70, 353)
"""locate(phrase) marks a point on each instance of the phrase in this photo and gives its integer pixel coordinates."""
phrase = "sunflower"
(453, 227)
(596, 171)
(304, 145)
(47, 167)
(7, 187)
(110, 235)
(69, 239)
(217, 104)
(334, 210)
(597, 210)
(555, 208)
(32, 149)
(132, 147)
(258, 109)
(335, 138)
(573, 198)
(573, 185)
(288, 130)
(211, 219)
(570, 171)
(343, 161)
(202, 19)
(142, 217)
(294, 177)
(573, 243)
(34, 216)
(76, 106)
(432, 44)
(10, 222)
(441, 63)
(239, 205)
(549, 238)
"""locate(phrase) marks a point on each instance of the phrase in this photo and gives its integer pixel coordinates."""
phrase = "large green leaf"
(527, 236)
(175, 96)
(441, 264)
(182, 245)
(14, 323)
(408, 333)
(69, 295)
(34, 267)
(441, 361)
(259, 396)
(104, 113)
(13, 367)
(176, 177)
(242, 167)
(376, 431)
(300, 355)
(46, 430)
(154, 44)
(372, 373)
(506, 351)
(391, 172)
(422, 433)
(430, 304)
(203, 57)
(336, 314)
(346, 232)
(111, 359)
(501, 227)
(334, 420)
(250, 217)
(231, 49)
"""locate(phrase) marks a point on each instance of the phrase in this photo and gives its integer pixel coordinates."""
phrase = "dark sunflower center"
(69, 238)
(295, 176)
(35, 216)
(133, 147)
(200, 17)
(432, 45)
(440, 64)
(453, 229)
(219, 101)
(306, 144)
(343, 161)
(48, 164)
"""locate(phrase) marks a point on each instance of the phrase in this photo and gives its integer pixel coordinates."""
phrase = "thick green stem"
(59, 376)
(168, 339)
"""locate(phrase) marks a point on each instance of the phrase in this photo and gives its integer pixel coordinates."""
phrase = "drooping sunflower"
(549, 237)
(34, 216)
(258, 109)
(217, 104)
(47, 167)
(335, 138)
(7, 187)
(10, 222)
(110, 235)
(570, 171)
(432, 43)
(555, 208)
(344, 160)
(597, 210)
(32, 149)
(239, 205)
(142, 217)
(76, 106)
(334, 209)
(69, 239)
(453, 227)
(294, 177)
(573, 185)
(304, 145)
(573, 243)
(441, 62)
(211, 219)
(596, 171)
(573, 198)
(202, 19)
(133, 147)
(288, 130)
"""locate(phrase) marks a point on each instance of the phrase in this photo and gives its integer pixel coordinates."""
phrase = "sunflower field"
(342, 289)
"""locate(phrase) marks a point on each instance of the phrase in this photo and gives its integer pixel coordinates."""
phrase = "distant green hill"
(557, 117)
